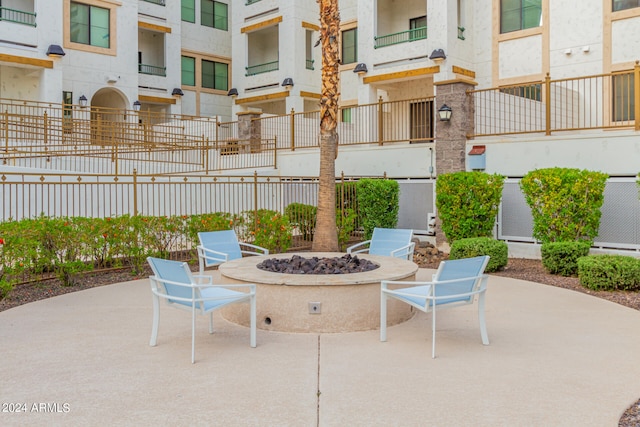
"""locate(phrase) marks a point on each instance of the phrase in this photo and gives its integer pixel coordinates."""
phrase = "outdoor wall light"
(361, 68)
(177, 92)
(83, 101)
(444, 113)
(233, 92)
(55, 51)
(136, 105)
(438, 56)
(288, 83)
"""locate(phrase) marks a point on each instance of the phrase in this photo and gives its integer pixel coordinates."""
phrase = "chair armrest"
(405, 251)
(259, 250)
(211, 254)
(350, 249)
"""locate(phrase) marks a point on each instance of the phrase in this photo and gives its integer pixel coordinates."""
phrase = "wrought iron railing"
(414, 34)
(17, 16)
(262, 68)
(153, 70)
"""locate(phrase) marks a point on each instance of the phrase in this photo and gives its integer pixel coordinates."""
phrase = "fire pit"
(318, 303)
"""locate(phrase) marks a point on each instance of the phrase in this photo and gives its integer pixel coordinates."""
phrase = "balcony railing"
(17, 16)
(152, 70)
(262, 68)
(309, 65)
(251, 2)
(414, 34)
(160, 2)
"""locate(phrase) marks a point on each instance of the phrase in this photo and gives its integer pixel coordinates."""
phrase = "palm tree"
(325, 238)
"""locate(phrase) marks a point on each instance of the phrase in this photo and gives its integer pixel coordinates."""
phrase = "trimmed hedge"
(609, 272)
(378, 204)
(562, 257)
(497, 250)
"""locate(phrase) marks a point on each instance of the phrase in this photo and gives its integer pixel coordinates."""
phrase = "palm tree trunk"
(325, 238)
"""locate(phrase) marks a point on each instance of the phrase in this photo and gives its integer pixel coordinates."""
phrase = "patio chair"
(174, 282)
(221, 246)
(395, 242)
(455, 283)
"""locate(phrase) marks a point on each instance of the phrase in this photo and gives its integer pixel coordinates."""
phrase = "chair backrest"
(469, 268)
(225, 241)
(174, 271)
(385, 240)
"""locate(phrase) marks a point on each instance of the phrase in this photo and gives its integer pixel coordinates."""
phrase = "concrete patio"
(556, 358)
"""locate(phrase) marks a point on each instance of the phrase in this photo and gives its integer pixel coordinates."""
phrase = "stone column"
(249, 130)
(451, 136)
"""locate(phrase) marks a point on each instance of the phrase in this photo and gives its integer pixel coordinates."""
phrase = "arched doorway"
(109, 116)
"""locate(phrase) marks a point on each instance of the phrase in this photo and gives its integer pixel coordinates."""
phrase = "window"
(533, 92)
(625, 4)
(520, 14)
(421, 120)
(89, 25)
(188, 71)
(350, 46)
(67, 112)
(213, 14)
(346, 115)
(418, 22)
(189, 10)
(215, 75)
(623, 99)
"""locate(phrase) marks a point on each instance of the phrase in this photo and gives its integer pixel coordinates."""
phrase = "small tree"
(467, 203)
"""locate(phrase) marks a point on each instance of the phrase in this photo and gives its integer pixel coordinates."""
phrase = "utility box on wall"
(476, 160)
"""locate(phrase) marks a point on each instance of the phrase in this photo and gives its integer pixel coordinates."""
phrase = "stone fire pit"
(347, 302)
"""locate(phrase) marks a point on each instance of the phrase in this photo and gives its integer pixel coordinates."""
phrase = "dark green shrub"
(346, 223)
(467, 203)
(497, 250)
(378, 204)
(561, 258)
(565, 203)
(303, 217)
(609, 272)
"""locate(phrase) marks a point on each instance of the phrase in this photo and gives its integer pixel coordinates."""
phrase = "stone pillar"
(451, 136)
(249, 130)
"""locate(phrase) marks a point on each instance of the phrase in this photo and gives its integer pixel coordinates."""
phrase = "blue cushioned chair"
(174, 282)
(455, 283)
(221, 246)
(395, 242)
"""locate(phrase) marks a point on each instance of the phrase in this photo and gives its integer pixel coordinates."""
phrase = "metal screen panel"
(620, 221)
(515, 222)
(417, 201)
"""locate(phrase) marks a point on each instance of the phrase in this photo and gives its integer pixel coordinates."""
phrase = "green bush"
(467, 203)
(565, 203)
(346, 223)
(609, 272)
(303, 217)
(267, 228)
(497, 250)
(378, 204)
(561, 258)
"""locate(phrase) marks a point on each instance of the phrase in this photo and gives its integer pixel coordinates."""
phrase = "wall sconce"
(360, 69)
(136, 105)
(444, 113)
(55, 51)
(177, 92)
(83, 101)
(233, 92)
(288, 83)
(438, 56)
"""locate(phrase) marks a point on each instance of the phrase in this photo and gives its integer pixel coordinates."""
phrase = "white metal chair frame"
(404, 252)
(422, 296)
(196, 304)
(208, 257)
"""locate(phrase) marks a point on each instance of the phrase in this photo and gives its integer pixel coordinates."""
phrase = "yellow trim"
(260, 25)
(44, 63)
(310, 26)
(451, 81)
(402, 74)
(260, 98)
(156, 99)
(154, 27)
(304, 94)
(463, 71)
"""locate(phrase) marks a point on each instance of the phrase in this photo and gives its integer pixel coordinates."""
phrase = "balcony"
(159, 2)
(251, 2)
(252, 70)
(152, 70)
(17, 16)
(414, 34)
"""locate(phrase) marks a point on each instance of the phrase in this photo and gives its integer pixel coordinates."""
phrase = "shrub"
(467, 203)
(378, 204)
(609, 272)
(497, 250)
(267, 228)
(561, 258)
(565, 203)
(346, 224)
(303, 217)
